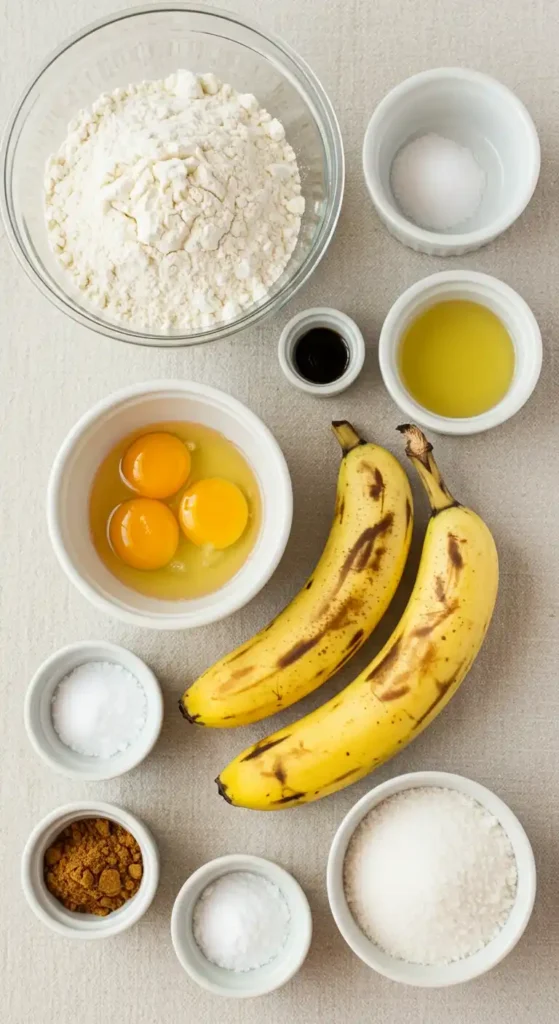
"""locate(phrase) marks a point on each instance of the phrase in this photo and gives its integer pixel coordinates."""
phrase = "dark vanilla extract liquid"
(321, 355)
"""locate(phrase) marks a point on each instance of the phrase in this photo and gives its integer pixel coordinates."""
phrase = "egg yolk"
(144, 533)
(156, 465)
(213, 512)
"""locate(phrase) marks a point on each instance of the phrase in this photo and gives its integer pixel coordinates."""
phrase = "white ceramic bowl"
(322, 316)
(244, 984)
(38, 716)
(49, 910)
(475, 111)
(511, 309)
(89, 442)
(461, 970)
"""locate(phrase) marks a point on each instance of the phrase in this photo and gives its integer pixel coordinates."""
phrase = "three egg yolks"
(144, 532)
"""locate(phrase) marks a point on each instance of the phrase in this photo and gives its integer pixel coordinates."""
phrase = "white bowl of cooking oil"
(473, 117)
(460, 352)
(94, 438)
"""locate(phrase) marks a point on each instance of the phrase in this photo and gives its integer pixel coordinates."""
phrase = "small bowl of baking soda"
(451, 159)
(241, 926)
(431, 879)
(93, 710)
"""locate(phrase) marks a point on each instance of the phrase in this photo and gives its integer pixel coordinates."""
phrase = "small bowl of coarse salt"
(431, 879)
(241, 926)
(93, 710)
(451, 159)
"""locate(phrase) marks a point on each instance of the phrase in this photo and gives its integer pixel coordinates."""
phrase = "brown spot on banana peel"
(389, 658)
(340, 619)
(240, 673)
(342, 510)
(242, 650)
(440, 589)
(341, 778)
(356, 638)
(360, 552)
(376, 488)
(454, 552)
(442, 690)
(358, 556)
(436, 619)
(408, 512)
(280, 773)
(299, 650)
(394, 692)
(288, 799)
(262, 746)
(379, 555)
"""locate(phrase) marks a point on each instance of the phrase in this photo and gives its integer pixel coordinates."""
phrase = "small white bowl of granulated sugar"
(93, 710)
(431, 879)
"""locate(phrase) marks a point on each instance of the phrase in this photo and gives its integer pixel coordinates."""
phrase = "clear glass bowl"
(150, 42)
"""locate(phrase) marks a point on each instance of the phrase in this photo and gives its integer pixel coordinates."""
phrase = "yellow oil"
(457, 359)
(194, 571)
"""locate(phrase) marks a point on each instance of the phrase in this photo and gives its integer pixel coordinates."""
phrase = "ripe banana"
(406, 685)
(337, 609)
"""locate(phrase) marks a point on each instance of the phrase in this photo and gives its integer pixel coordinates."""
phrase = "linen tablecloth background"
(501, 729)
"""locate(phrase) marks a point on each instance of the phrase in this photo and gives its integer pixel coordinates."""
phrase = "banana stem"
(346, 435)
(420, 451)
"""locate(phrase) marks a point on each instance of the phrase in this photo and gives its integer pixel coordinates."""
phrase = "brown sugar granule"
(93, 866)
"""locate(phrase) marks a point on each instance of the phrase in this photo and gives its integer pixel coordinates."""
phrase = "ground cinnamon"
(94, 866)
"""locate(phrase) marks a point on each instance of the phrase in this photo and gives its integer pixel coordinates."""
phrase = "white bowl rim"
(519, 391)
(398, 970)
(493, 228)
(252, 316)
(144, 743)
(130, 913)
(134, 618)
(189, 893)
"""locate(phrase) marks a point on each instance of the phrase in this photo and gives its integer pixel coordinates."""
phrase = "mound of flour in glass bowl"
(174, 204)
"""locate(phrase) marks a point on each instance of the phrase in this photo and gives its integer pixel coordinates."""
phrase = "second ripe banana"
(338, 607)
(405, 686)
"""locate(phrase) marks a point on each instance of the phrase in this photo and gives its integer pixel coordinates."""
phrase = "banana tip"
(186, 714)
(417, 445)
(222, 790)
(346, 435)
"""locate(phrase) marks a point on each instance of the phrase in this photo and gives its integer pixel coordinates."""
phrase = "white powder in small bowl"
(99, 709)
(241, 921)
(430, 876)
(437, 183)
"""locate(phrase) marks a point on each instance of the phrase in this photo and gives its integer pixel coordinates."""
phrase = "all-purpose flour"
(174, 204)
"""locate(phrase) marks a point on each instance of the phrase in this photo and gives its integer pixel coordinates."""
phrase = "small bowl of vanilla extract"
(321, 351)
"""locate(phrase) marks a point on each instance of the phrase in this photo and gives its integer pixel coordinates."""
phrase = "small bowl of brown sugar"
(90, 870)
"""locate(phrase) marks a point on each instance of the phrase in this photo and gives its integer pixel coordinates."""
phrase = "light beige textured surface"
(503, 727)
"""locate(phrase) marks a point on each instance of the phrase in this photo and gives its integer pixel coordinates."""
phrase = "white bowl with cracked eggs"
(94, 436)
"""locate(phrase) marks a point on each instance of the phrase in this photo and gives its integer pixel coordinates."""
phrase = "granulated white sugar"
(430, 876)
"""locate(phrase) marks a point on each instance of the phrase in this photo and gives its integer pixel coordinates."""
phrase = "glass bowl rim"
(333, 148)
